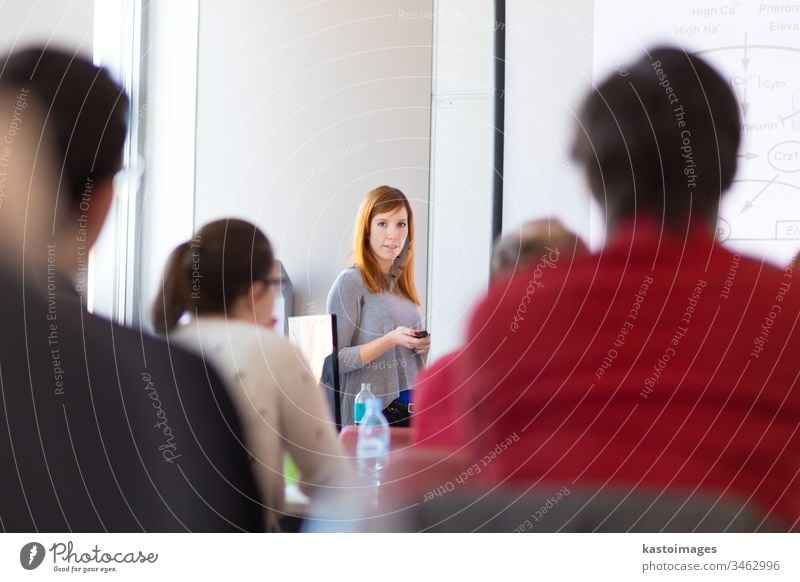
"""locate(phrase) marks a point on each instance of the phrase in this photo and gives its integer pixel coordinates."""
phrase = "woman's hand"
(424, 346)
(403, 336)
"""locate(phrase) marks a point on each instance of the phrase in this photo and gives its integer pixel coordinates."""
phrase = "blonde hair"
(384, 199)
(516, 250)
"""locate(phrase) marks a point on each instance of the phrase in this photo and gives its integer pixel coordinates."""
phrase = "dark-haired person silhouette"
(643, 370)
(102, 428)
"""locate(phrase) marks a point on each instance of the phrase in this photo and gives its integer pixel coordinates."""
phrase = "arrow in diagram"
(745, 59)
(749, 204)
(745, 104)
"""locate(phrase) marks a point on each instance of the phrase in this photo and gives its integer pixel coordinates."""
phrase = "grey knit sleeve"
(344, 300)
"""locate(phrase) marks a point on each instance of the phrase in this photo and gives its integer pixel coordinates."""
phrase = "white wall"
(64, 24)
(167, 120)
(462, 166)
(548, 70)
(302, 108)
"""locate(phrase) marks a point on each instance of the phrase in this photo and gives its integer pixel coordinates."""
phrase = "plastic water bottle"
(372, 449)
(361, 403)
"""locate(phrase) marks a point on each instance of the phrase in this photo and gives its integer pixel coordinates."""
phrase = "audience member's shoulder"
(484, 315)
(256, 338)
(272, 351)
(269, 338)
(135, 343)
(740, 266)
(537, 284)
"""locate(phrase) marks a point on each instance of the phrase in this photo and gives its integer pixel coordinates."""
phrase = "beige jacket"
(282, 408)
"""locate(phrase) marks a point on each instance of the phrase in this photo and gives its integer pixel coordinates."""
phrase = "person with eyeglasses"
(217, 298)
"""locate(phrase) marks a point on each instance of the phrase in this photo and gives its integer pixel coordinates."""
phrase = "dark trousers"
(397, 414)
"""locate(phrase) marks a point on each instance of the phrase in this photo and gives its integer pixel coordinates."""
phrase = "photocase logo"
(31, 555)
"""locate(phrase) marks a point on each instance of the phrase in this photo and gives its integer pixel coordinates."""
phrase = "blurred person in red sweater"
(665, 364)
(535, 244)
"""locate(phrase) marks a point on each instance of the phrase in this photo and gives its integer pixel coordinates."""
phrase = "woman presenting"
(377, 307)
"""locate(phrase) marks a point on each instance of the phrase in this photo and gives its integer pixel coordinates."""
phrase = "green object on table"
(291, 474)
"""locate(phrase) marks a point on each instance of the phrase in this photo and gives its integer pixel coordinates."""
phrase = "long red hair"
(378, 200)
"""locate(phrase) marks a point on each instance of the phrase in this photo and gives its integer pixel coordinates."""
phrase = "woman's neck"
(386, 268)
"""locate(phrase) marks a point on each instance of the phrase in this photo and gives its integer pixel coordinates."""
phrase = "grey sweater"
(363, 316)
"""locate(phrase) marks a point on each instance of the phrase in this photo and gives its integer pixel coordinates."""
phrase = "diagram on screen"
(756, 45)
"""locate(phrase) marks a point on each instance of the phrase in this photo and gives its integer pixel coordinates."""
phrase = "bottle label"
(360, 410)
